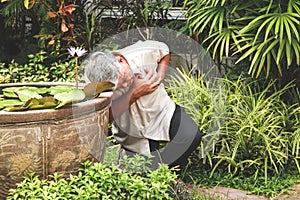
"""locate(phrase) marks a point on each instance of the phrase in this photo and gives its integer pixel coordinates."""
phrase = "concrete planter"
(48, 141)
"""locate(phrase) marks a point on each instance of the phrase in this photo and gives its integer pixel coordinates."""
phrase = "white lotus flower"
(77, 52)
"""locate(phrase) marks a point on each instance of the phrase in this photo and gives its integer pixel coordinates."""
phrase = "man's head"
(113, 67)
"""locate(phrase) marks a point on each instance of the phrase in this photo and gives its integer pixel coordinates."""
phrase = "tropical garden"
(258, 136)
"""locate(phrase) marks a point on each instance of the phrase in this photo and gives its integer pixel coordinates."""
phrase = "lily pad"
(93, 89)
(65, 98)
(11, 89)
(41, 90)
(10, 102)
(11, 92)
(15, 108)
(41, 103)
(59, 89)
(26, 94)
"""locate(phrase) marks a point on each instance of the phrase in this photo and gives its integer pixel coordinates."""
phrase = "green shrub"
(96, 181)
(265, 33)
(254, 137)
(38, 69)
(193, 95)
(260, 134)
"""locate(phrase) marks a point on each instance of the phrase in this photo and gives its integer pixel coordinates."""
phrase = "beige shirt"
(150, 116)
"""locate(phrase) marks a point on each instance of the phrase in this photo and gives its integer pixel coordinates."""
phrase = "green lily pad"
(10, 102)
(15, 108)
(41, 103)
(59, 89)
(93, 89)
(73, 95)
(26, 94)
(10, 94)
(41, 90)
(10, 89)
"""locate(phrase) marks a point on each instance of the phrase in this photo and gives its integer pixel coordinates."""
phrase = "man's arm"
(141, 86)
(163, 66)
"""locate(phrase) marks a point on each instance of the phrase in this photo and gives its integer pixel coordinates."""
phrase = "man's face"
(125, 73)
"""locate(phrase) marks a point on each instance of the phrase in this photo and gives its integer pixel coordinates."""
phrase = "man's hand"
(144, 85)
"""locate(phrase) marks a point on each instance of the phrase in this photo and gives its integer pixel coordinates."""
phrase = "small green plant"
(38, 69)
(97, 181)
(137, 164)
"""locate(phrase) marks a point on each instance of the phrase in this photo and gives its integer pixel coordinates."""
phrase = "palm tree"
(263, 32)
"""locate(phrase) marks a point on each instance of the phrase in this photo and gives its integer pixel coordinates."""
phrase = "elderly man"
(142, 113)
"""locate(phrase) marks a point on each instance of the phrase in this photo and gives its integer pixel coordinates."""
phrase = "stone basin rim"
(70, 111)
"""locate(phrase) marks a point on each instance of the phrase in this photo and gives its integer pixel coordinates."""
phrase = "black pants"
(185, 137)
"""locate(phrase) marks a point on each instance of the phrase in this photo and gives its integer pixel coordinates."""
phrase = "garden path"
(234, 194)
(292, 194)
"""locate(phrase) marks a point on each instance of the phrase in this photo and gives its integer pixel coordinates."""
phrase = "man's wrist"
(133, 96)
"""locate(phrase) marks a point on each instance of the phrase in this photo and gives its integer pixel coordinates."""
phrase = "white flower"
(76, 52)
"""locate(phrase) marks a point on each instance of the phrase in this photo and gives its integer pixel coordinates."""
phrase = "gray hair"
(101, 66)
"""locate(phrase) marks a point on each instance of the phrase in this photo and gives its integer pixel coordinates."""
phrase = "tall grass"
(254, 135)
(260, 133)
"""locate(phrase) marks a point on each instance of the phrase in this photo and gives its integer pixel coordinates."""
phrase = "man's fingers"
(139, 76)
(157, 82)
(149, 74)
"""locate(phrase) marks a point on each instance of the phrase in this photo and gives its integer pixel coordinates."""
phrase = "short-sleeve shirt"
(149, 116)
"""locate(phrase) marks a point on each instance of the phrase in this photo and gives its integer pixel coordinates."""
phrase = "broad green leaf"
(10, 89)
(41, 90)
(59, 89)
(41, 103)
(95, 88)
(10, 102)
(15, 108)
(65, 98)
(10, 94)
(26, 94)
